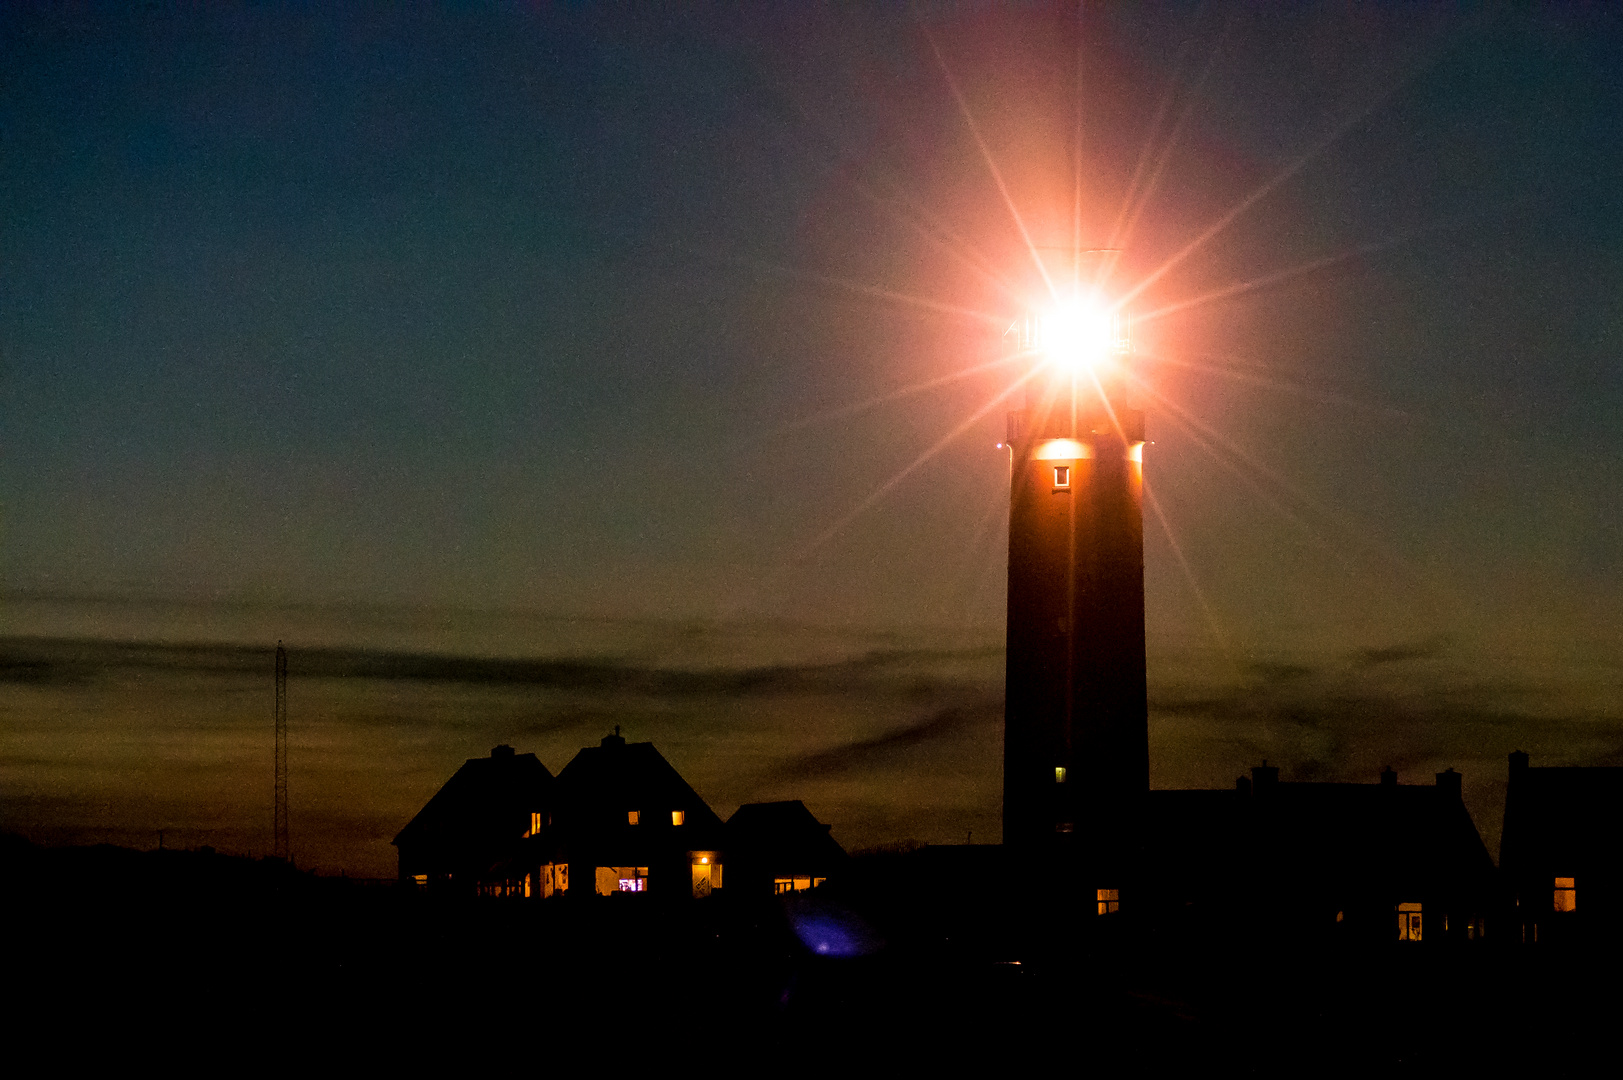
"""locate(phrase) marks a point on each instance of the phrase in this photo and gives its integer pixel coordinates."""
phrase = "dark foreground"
(183, 955)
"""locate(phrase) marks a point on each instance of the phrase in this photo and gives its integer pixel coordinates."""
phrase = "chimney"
(1264, 776)
(1389, 777)
(1448, 784)
(501, 751)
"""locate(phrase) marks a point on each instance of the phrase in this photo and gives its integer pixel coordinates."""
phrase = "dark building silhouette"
(617, 819)
(628, 822)
(1315, 861)
(1559, 852)
(1076, 736)
(780, 847)
(486, 829)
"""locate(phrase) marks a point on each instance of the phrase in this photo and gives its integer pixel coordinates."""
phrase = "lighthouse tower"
(1076, 735)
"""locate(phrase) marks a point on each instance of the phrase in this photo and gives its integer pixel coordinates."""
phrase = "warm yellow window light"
(678, 817)
(1566, 894)
(535, 822)
(1059, 774)
(633, 816)
(1109, 901)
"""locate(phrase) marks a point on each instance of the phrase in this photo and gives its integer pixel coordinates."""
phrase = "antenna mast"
(281, 752)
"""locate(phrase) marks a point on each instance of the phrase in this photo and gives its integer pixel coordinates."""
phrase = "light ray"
(1274, 383)
(884, 489)
(855, 407)
(1217, 446)
(1267, 188)
(1134, 205)
(1243, 287)
(871, 290)
(986, 156)
(1212, 623)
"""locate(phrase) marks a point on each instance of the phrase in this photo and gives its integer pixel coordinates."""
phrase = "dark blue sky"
(500, 307)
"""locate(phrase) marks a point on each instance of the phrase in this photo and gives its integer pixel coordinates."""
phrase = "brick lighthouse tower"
(1076, 736)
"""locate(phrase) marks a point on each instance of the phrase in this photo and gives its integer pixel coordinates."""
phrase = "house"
(780, 847)
(1558, 853)
(626, 822)
(1281, 861)
(485, 830)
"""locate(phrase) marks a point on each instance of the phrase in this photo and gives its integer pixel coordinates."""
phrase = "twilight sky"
(558, 312)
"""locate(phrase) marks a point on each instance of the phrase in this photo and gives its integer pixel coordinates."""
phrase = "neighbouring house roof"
(485, 804)
(1331, 838)
(1557, 817)
(782, 836)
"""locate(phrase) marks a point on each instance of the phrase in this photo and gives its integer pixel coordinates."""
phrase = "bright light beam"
(884, 489)
(842, 411)
(986, 156)
(1189, 575)
(1211, 442)
(1262, 192)
(870, 290)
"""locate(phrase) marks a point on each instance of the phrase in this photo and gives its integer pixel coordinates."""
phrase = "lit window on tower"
(1109, 901)
(633, 816)
(1408, 922)
(1059, 774)
(535, 823)
(1566, 894)
(1062, 476)
(678, 816)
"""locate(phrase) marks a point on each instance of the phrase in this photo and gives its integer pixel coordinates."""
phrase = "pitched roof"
(602, 783)
(1564, 814)
(782, 832)
(485, 795)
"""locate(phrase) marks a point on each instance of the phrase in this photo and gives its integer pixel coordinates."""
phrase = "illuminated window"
(678, 816)
(1408, 922)
(1341, 916)
(420, 880)
(1566, 894)
(535, 822)
(707, 874)
(1109, 901)
(633, 816)
(1059, 774)
(621, 879)
(1062, 476)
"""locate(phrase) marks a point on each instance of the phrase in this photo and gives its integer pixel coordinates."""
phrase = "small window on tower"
(535, 822)
(678, 816)
(1062, 476)
(1109, 901)
(1059, 774)
(1566, 894)
(633, 816)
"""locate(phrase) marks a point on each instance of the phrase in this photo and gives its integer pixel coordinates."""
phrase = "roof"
(1316, 836)
(782, 833)
(598, 788)
(1560, 814)
(485, 796)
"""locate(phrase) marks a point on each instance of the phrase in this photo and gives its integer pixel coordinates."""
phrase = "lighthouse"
(1076, 730)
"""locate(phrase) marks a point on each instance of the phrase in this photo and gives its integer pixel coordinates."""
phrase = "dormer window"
(633, 817)
(678, 816)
